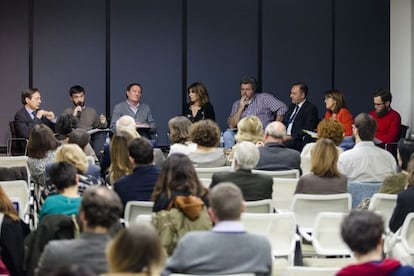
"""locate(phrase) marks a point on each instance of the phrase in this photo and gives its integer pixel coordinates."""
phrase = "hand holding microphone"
(77, 111)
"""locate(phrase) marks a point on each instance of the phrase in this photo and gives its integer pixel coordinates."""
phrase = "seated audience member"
(274, 155)
(138, 185)
(336, 108)
(41, 150)
(13, 232)
(253, 186)
(363, 232)
(250, 129)
(136, 249)
(325, 177)
(100, 209)
(329, 129)
(64, 126)
(67, 201)
(120, 164)
(263, 105)
(179, 133)
(177, 177)
(302, 115)
(82, 138)
(206, 134)
(388, 120)
(199, 106)
(405, 201)
(366, 162)
(31, 114)
(207, 252)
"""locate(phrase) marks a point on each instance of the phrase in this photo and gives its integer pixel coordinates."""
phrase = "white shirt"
(292, 119)
(366, 162)
(182, 148)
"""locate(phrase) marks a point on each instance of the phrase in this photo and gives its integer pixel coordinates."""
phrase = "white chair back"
(143, 219)
(135, 208)
(310, 271)
(18, 191)
(208, 172)
(16, 161)
(383, 204)
(283, 191)
(280, 174)
(259, 206)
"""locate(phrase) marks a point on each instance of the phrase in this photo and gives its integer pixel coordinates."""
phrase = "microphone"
(78, 113)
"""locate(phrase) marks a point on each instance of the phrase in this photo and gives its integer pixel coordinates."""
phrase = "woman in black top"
(199, 107)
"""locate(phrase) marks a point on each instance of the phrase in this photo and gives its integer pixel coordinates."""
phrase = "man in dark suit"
(253, 186)
(302, 115)
(31, 115)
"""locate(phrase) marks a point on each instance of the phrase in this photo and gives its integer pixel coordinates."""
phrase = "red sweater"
(389, 126)
(345, 118)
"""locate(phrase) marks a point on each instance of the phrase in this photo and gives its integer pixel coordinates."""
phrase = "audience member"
(82, 138)
(86, 117)
(207, 252)
(250, 129)
(274, 155)
(136, 249)
(263, 105)
(253, 186)
(41, 150)
(177, 177)
(363, 232)
(133, 107)
(206, 134)
(100, 209)
(388, 120)
(330, 129)
(302, 115)
(325, 177)
(179, 133)
(120, 164)
(13, 232)
(138, 185)
(405, 201)
(366, 162)
(67, 201)
(199, 106)
(337, 109)
(31, 114)
(64, 126)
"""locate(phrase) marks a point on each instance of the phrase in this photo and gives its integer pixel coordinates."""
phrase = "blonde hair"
(324, 158)
(249, 129)
(73, 154)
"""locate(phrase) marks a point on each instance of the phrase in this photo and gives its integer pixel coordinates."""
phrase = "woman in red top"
(336, 108)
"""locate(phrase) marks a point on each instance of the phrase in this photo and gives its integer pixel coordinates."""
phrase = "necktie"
(292, 117)
(34, 114)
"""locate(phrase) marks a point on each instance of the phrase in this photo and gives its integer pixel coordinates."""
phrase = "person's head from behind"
(41, 140)
(140, 151)
(274, 132)
(31, 98)
(382, 102)
(324, 158)
(410, 169)
(73, 154)
(365, 127)
(298, 92)
(250, 129)
(179, 128)
(125, 122)
(77, 95)
(362, 231)
(63, 175)
(331, 129)
(197, 93)
(65, 124)
(334, 100)
(178, 174)
(136, 249)
(100, 208)
(79, 137)
(6, 206)
(404, 152)
(248, 86)
(226, 202)
(205, 133)
(246, 156)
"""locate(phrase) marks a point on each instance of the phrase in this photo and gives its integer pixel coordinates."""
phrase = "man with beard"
(86, 117)
(388, 120)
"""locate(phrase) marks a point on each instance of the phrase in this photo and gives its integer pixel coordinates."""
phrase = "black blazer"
(205, 112)
(24, 123)
(405, 205)
(307, 118)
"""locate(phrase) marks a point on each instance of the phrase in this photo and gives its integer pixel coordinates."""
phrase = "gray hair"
(246, 154)
(125, 122)
(276, 130)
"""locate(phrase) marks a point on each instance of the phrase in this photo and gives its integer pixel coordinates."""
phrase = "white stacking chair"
(383, 204)
(280, 229)
(280, 174)
(310, 271)
(208, 172)
(143, 219)
(18, 192)
(283, 191)
(16, 161)
(135, 208)
(259, 206)
(402, 247)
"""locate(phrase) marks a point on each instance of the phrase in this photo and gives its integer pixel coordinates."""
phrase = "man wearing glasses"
(388, 120)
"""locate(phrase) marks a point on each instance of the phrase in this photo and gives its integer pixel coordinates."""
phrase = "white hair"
(125, 122)
(246, 154)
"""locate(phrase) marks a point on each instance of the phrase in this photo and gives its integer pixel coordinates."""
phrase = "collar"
(29, 110)
(365, 144)
(131, 105)
(301, 103)
(94, 236)
(229, 226)
(275, 145)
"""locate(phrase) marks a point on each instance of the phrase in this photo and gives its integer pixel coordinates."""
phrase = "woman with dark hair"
(13, 231)
(41, 150)
(199, 106)
(336, 108)
(135, 250)
(177, 177)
